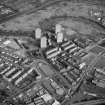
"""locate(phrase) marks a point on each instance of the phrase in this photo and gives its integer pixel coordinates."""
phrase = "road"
(51, 2)
(46, 4)
(35, 65)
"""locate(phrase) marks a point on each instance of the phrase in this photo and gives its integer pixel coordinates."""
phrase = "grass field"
(23, 5)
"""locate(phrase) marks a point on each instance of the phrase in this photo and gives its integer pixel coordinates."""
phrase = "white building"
(38, 33)
(53, 54)
(43, 42)
(69, 46)
(52, 50)
(58, 28)
(65, 43)
(10, 71)
(59, 37)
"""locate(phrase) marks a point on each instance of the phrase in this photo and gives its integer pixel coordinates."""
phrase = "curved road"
(82, 19)
(46, 4)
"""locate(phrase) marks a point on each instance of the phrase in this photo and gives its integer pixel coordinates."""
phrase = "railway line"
(91, 102)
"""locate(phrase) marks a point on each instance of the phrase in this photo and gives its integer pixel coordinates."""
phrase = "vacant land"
(71, 15)
(23, 5)
(31, 21)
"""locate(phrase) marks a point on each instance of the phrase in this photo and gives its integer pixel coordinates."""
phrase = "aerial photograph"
(52, 52)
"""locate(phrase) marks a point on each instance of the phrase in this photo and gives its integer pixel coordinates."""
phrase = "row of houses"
(15, 74)
(12, 68)
(67, 46)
